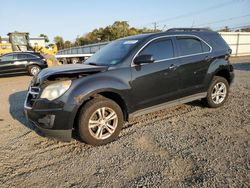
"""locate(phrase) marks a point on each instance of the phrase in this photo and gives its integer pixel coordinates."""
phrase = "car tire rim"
(103, 123)
(74, 62)
(219, 92)
(35, 70)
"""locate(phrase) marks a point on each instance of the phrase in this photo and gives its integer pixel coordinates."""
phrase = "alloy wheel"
(103, 123)
(219, 93)
(34, 70)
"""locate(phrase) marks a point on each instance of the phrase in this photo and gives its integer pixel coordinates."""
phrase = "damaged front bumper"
(51, 118)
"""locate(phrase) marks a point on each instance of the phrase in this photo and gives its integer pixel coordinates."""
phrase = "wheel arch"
(109, 94)
(224, 73)
(219, 67)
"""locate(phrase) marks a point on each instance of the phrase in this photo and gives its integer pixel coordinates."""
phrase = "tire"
(74, 60)
(34, 70)
(98, 131)
(216, 95)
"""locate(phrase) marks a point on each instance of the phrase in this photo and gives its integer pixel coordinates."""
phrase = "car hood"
(70, 71)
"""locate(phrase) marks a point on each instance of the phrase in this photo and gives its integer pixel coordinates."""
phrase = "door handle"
(172, 67)
(207, 58)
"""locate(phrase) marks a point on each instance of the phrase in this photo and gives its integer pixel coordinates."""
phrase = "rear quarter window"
(217, 42)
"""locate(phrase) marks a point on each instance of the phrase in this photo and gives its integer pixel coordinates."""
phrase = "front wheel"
(100, 121)
(217, 92)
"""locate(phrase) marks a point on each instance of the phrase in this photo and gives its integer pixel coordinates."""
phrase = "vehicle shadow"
(245, 66)
(14, 75)
(197, 103)
(16, 101)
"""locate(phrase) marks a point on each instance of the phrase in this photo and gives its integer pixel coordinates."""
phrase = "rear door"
(157, 82)
(194, 60)
(21, 62)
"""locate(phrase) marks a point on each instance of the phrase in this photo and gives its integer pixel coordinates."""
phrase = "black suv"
(130, 77)
(22, 62)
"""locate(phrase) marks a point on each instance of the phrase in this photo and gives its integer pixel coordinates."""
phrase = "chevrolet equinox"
(130, 77)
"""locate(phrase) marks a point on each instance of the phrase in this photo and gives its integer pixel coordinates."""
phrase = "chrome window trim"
(177, 57)
(34, 56)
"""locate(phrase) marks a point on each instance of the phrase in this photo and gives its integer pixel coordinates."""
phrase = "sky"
(72, 18)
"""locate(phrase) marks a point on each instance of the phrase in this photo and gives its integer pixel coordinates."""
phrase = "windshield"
(112, 53)
(19, 40)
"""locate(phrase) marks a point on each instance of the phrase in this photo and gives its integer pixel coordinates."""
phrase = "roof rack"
(189, 29)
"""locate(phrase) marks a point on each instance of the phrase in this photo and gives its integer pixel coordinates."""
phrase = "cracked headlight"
(55, 90)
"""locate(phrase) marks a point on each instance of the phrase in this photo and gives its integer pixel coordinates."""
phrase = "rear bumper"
(231, 72)
(231, 77)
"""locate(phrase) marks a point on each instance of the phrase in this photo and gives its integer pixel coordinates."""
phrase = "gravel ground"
(187, 145)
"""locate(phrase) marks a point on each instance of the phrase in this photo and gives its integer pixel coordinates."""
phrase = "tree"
(45, 37)
(246, 29)
(115, 31)
(59, 42)
(67, 44)
(225, 29)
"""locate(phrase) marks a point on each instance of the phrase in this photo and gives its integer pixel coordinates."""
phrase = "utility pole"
(155, 26)
(123, 28)
(123, 23)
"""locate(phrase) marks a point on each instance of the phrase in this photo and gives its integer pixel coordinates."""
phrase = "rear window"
(188, 46)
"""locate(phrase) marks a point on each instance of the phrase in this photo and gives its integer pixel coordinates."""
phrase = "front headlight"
(55, 90)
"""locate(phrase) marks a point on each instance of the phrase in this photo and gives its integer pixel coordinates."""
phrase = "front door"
(155, 83)
(7, 63)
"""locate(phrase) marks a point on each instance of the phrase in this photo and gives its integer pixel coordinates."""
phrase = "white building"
(40, 41)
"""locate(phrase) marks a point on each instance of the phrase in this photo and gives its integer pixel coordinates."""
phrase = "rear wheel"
(100, 121)
(34, 70)
(217, 92)
(75, 60)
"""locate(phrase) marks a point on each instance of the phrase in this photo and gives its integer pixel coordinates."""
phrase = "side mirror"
(143, 59)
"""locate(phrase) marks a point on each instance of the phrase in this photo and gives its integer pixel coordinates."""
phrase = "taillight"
(227, 57)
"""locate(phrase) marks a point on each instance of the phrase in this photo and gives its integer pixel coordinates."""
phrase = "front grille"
(32, 95)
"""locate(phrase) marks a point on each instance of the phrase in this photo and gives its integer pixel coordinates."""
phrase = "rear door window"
(21, 56)
(26, 56)
(160, 49)
(189, 46)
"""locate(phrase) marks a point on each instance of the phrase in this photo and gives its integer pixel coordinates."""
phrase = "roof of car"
(176, 31)
(27, 52)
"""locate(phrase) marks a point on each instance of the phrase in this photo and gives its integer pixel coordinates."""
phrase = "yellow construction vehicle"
(19, 41)
(5, 47)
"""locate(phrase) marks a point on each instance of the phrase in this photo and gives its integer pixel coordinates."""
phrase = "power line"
(220, 5)
(220, 21)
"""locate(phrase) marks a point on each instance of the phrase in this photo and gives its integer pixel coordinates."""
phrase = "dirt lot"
(188, 145)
